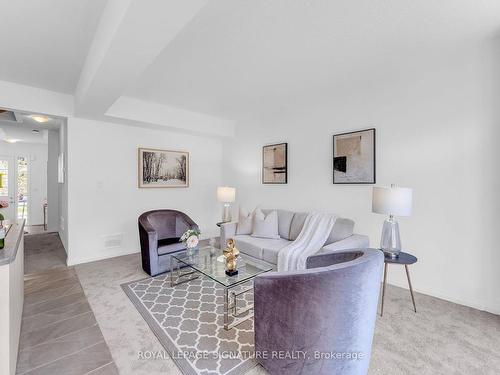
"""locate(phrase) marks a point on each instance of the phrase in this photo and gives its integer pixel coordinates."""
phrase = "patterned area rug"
(188, 321)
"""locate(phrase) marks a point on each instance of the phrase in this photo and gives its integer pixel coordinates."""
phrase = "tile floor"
(59, 332)
(43, 252)
(34, 229)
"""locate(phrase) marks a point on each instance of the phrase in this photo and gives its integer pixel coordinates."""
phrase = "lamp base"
(391, 254)
(390, 242)
(226, 213)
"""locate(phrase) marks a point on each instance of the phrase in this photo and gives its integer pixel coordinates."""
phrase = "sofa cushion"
(271, 250)
(284, 222)
(245, 222)
(342, 229)
(248, 245)
(256, 247)
(297, 224)
(169, 245)
(265, 226)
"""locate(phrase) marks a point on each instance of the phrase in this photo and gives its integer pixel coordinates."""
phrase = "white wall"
(103, 195)
(37, 174)
(435, 133)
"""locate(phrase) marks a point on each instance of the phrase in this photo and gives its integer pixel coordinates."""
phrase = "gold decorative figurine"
(231, 254)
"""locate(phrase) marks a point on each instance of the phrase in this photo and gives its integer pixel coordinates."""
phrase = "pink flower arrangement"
(4, 204)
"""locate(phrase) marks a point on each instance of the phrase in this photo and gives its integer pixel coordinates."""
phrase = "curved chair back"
(327, 310)
(167, 223)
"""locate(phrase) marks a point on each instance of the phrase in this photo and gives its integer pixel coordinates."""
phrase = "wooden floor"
(59, 333)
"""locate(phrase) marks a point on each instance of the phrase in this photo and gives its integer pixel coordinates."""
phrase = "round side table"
(403, 259)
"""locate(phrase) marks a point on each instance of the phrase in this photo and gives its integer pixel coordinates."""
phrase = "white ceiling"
(238, 58)
(229, 59)
(22, 130)
(44, 43)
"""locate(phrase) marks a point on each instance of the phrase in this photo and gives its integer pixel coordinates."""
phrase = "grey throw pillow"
(245, 222)
(265, 226)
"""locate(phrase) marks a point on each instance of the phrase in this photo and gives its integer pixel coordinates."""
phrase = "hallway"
(59, 333)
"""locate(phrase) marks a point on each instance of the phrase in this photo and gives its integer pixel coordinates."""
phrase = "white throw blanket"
(317, 228)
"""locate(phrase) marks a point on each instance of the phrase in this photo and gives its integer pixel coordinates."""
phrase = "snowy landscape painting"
(163, 168)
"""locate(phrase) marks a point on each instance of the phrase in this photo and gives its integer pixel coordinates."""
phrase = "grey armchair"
(159, 234)
(329, 308)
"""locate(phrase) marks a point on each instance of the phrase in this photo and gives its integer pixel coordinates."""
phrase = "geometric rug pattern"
(188, 321)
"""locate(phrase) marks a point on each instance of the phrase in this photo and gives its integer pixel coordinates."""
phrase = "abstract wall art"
(275, 164)
(354, 157)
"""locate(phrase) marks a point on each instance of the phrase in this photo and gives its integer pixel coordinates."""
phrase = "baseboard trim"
(448, 299)
(75, 262)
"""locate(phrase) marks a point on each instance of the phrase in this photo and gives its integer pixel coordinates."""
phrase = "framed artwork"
(275, 164)
(354, 157)
(163, 168)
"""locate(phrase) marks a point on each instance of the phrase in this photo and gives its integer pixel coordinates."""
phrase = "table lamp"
(392, 201)
(226, 195)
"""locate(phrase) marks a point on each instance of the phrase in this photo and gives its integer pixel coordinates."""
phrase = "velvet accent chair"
(328, 308)
(159, 234)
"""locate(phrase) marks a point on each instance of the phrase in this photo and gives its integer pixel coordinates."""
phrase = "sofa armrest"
(356, 241)
(331, 258)
(227, 231)
(147, 234)
(148, 238)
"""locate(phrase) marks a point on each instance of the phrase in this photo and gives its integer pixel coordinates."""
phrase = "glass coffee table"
(189, 264)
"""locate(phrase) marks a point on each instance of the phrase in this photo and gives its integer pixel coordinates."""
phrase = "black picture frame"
(280, 170)
(340, 162)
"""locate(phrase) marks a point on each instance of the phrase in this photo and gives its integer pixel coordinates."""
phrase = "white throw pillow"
(265, 226)
(245, 222)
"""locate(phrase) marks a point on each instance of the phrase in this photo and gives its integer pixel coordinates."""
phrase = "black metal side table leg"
(411, 289)
(383, 290)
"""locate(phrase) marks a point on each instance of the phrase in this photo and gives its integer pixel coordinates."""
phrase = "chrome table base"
(233, 315)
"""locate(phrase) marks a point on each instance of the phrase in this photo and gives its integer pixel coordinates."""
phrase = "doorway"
(7, 187)
(14, 188)
(23, 199)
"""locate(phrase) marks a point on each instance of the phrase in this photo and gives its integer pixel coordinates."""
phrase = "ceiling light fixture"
(35, 131)
(12, 140)
(40, 118)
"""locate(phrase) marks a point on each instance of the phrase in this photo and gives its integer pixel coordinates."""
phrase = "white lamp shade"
(226, 194)
(392, 201)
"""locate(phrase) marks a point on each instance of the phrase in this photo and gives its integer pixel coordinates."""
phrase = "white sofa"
(289, 226)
